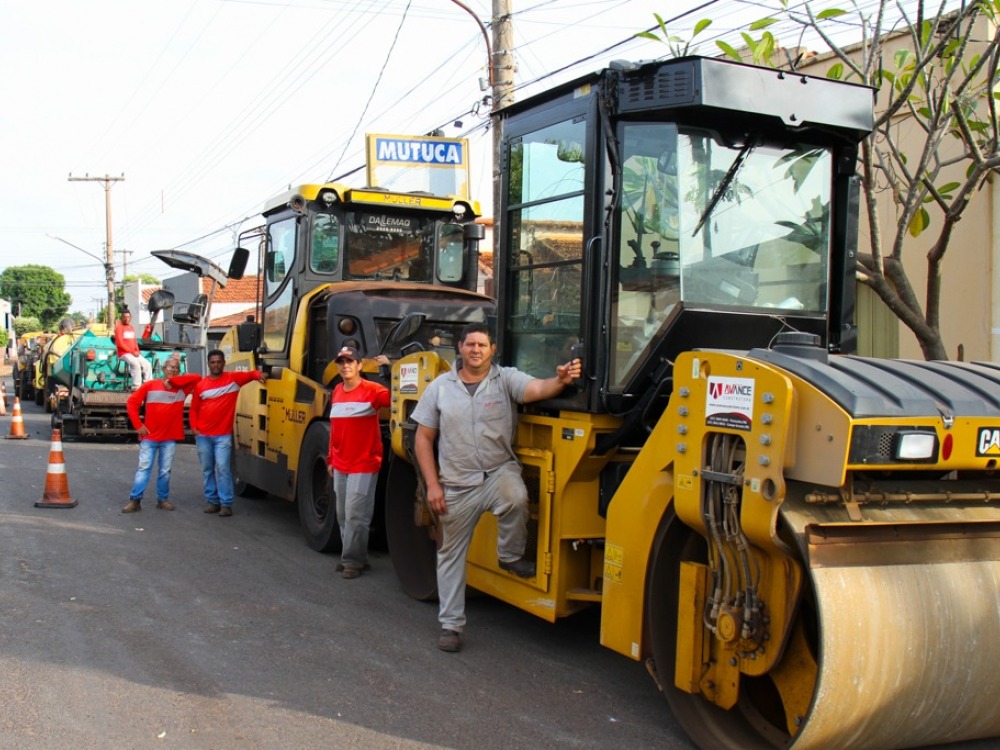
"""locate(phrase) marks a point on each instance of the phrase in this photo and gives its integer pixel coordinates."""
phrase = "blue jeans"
(214, 453)
(148, 452)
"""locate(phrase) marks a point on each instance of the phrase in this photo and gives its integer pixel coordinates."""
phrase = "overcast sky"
(210, 107)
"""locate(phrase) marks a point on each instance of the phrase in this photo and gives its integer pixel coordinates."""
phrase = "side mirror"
(238, 264)
(248, 336)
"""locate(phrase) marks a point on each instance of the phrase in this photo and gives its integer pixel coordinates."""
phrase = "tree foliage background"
(930, 65)
(26, 324)
(36, 291)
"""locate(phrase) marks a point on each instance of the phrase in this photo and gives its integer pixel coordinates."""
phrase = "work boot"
(341, 566)
(132, 506)
(164, 505)
(351, 571)
(225, 511)
(212, 508)
(450, 641)
(521, 568)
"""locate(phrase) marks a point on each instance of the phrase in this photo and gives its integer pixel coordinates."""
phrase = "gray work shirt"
(475, 433)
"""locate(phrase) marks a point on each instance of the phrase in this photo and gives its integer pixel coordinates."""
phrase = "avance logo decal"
(718, 390)
(730, 403)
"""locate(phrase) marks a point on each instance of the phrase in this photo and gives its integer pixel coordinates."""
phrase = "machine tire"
(314, 492)
(413, 550)
(240, 486)
(754, 723)
(70, 427)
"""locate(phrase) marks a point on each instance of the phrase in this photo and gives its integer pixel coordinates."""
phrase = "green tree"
(936, 70)
(4, 338)
(26, 324)
(37, 291)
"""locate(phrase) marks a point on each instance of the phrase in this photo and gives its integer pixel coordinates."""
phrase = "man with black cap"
(355, 455)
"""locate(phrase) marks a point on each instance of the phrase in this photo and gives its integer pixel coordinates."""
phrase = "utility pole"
(124, 261)
(109, 265)
(503, 94)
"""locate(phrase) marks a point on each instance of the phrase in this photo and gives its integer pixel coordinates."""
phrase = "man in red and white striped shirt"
(159, 432)
(213, 406)
(355, 455)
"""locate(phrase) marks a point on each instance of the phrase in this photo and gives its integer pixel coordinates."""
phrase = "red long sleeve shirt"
(125, 340)
(164, 406)
(213, 403)
(355, 437)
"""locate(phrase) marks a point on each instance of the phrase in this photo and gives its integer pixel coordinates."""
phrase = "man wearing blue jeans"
(159, 432)
(213, 406)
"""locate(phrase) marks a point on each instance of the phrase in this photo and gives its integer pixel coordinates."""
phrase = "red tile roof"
(237, 290)
(230, 320)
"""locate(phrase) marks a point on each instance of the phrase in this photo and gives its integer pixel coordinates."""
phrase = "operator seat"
(191, 313)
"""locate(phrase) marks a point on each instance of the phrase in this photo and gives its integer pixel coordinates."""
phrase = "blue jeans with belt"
(214, 454)
(163, 452)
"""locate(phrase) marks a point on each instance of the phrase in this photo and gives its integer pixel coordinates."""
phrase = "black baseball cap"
(347, 352)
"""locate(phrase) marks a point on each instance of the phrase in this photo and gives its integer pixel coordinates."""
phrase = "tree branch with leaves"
(932, 69)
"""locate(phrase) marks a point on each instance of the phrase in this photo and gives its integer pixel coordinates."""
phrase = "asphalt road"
(185, 630)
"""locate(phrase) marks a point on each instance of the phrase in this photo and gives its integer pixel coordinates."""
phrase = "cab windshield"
(386, 246)
(714, 222)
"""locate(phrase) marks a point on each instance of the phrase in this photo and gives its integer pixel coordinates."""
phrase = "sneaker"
(164, 505)
(132, 507)
(210, 508)
(351, 571)
(450, 641)
(225, 511)
(521, 568)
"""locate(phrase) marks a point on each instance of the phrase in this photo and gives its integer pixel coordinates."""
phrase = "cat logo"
(988, 441)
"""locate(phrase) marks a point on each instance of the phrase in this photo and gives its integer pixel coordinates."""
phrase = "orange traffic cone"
(3, 400)
(56, 485)
(17, 423)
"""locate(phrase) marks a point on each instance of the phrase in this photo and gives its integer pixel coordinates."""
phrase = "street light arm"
(85, 252)
(486, 36)
(109, 274)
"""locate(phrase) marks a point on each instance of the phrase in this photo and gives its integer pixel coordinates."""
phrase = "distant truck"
(89, 386)
(29, 350)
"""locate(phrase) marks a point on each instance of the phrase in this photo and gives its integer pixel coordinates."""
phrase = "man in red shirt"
(355, 456)
(139, 368)
(213, 406)
(159, 432)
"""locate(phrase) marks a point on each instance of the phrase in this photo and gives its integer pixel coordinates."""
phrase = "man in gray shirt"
(472, 411)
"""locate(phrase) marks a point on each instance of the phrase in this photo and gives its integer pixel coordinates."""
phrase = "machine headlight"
(914, 446)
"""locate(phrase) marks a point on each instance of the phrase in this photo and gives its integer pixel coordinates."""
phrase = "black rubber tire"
(241, 487)
(69, 426)
(412, 548)
(314, 492)
(753, 724)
